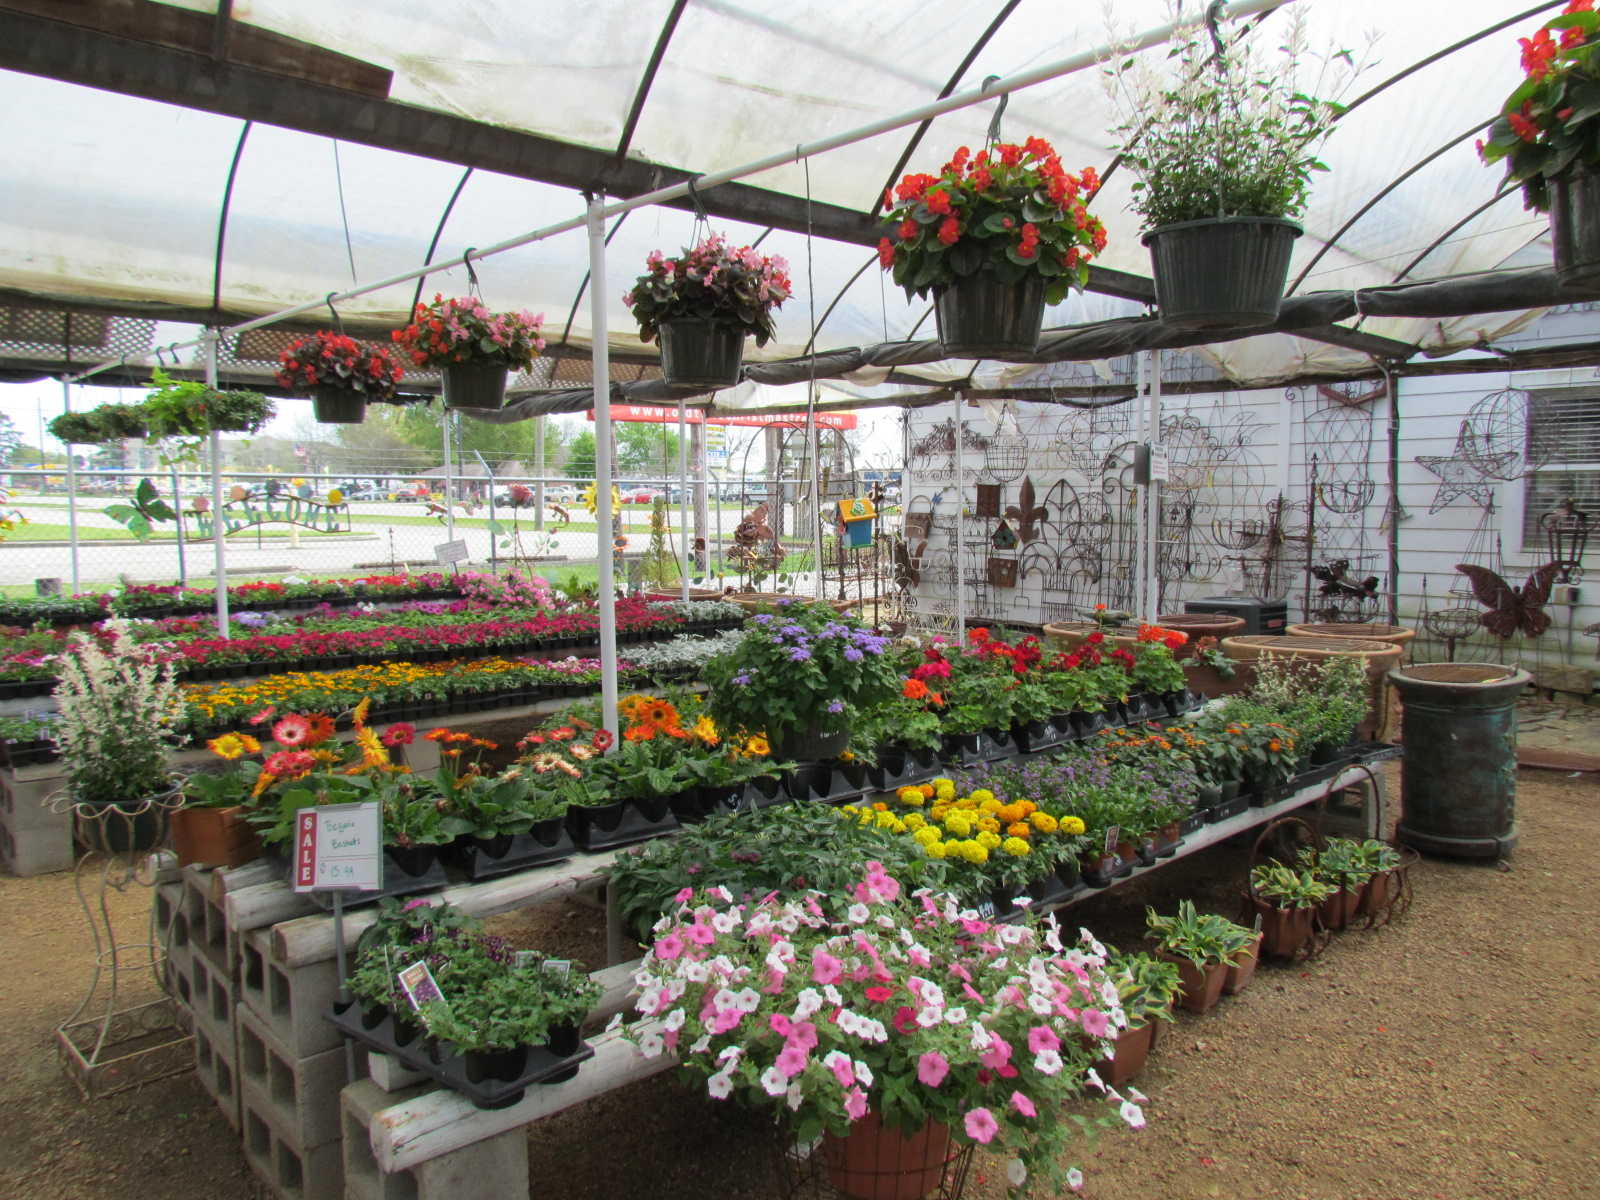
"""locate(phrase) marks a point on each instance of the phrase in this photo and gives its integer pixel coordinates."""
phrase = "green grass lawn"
(40, 531)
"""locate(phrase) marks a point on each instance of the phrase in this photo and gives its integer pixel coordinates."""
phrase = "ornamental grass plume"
(119, 715)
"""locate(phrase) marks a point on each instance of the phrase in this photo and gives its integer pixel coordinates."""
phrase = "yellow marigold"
(1009, 814)
(989, 825)
(958, 825)
(975, 852)
(988, 839)
(934, 849)
(1028, 807)
(1019, 829)
(991, 805)
(879, 806)
(914, 821)
(926, 836)
(967, 803)
(849, 810)
(927, 790)
(1072, 826)
(1015, 847)
(982, 794)
(705, 729)
(940, 783)
(757, 747)
(1044, 822)
(937, 812)
(945, 791)
(905, 794)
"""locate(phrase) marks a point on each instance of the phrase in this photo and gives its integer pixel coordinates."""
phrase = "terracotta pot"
(1377, 631)
(1199, 625)
(214, 837)
(1202, 986)
(1205, 680)
(876, 1163)
(1283, 930)
(1378, 893)
(1338, 908)
(1132, 1048)
(1377, 657)
(757, 601)
(1067, 636)
(1242, 969)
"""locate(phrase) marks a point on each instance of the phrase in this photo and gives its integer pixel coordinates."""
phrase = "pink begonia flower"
(981, 1126)
(1095, 1023)
(932, 1067)
(880, 995)
(855, 1104)
(1042, 1037)
(1023, 1105)
(791, 1060)
(669, 947)
(825, 968)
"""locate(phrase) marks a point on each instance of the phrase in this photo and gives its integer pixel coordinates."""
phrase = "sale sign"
(339, 847)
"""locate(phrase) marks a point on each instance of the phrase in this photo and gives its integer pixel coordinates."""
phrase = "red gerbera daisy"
(602, 740)
(402, 734)
(321, 729)
(292, 731)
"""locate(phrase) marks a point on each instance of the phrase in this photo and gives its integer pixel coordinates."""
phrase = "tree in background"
(10, 443)
(417, 429)
(643, 448)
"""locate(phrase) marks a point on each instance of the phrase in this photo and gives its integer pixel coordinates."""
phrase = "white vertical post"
(1152, 583)
(72, 487)
(961, 537)
(600, 367)
(218, 525)
(538, 471)
(683, 502)
(449, 478)
(814, 451)
(1141, 490)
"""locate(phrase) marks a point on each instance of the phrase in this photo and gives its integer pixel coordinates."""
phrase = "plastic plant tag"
(1112, 834)
(420, 987)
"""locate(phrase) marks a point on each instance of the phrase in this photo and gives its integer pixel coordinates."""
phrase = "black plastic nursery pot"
(700, 352)
(981, 317)
(338, 406)
(1221, 273)
(477, 385)
(1575, 228)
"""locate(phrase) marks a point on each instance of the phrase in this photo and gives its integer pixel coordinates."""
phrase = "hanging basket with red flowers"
(341, 373)
(995, 236)
(1548, 133)
(472, 347)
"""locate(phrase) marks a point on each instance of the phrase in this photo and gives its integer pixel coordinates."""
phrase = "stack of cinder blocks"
(34, 838)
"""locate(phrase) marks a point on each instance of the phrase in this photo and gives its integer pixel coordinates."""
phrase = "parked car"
(640, 495)
(364, 491)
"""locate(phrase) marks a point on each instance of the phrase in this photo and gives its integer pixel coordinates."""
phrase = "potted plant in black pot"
(1546, 135)
(995, 236)
(342, 374)
(703, 304)
(119, 712)
(472, 347)
(1224, 138)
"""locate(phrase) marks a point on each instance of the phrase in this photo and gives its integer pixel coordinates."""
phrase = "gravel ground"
(1449, 1055)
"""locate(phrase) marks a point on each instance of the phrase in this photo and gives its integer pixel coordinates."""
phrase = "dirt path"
(1450, 1056)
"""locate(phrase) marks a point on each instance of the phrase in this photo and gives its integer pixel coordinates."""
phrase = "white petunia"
(720, 1085)
(955, 1016)
(807, 1002)
(701, 1045)
(651, 1045)
(725, 922)
(1136, 1094)
(980, 1037)
(863, 1073)
(1047, 1062)
(774, 1082)
(730, 1054)
(674, 1020)
(831, 994)
(1092, 1077)
(929, 1017)
(696, 972)
(747, 1000)
(795, 1097)
(1074, 1179)
(1132, 1114)
(858, 913)
(1016, 1172)
(1040, 1004)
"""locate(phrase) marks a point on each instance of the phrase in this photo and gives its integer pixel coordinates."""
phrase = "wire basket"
(874, 1164)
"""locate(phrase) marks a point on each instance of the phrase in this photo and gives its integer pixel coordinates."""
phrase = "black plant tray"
(829, 783)
(1040, 735)
(763, 793)
(395, 883)
(970, 749)
(25, 754)
(1194, 821)
(427, 1056)
(1224, 809)
(19, 689)
(1373, 752)
(525, 851)
(1320, 773)
(911, 771)
(603, 828)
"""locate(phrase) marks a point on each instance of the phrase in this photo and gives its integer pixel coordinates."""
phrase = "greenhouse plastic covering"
(117, 199)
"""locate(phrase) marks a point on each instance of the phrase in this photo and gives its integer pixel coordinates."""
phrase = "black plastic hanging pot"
(1221, 273)
(1575, 228)
(476, 385)
(335, 405)
(700, 352)
(981, 317)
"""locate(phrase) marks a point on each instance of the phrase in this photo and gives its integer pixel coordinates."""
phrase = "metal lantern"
(1566, 528)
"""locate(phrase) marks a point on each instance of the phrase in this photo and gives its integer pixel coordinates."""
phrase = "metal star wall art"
(1467, 472)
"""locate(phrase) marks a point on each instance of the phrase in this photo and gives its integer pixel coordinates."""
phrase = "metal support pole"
(1393, 381)
(449, 479)
(72, 489)
(1152, 541)
(814, 453)
(538, 472)
(218, 526)
(600, 368)
(961, 549)
(683, 502)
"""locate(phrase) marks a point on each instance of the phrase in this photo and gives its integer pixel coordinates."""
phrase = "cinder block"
(216, 1064)
(386, 1071)
(172, 927)
(496, 1166)
(362, 1180)
(290, 1000)
(213, 1000)
(301, 1094)
(288, 1172)
(208, 927)
(25, 805)
(35, 851)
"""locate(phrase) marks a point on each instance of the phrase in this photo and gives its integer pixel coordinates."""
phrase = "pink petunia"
(839, 1064)
(825, 968)
(1095, 1023)
(669, 946)
(1042, 1037)
(701, 935)
(791, 1060)
(1023, 1105)
(779, 1024)
(880, 995)
(932, 1067)
(981, 1126)
(855, 1104)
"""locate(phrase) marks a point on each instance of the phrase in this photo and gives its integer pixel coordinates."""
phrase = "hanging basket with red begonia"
(328, 359)
(464, 331)
(1008, 210)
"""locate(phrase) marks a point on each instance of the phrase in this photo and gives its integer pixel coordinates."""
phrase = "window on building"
(1564, 426)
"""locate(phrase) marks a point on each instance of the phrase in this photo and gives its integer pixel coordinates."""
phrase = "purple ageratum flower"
(851, 654)
(836, 706)
(763, 618)
(742, 679)
(799, 654)
(791, 630)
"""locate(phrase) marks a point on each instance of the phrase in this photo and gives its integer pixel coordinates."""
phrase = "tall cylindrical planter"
(1377, 631)
(1459, 774)
(981, 317)
(334, 405)
(479, 385)
(1221, 273)
(1575, 227)
(701, 352)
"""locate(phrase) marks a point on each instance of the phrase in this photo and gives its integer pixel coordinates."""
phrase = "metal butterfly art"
(1512, 609)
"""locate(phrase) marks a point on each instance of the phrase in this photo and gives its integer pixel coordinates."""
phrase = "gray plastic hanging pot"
(981, 317)
(335, 405)
(700, 352)
(1575, 228)
(479, 385)
(1224, 273)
